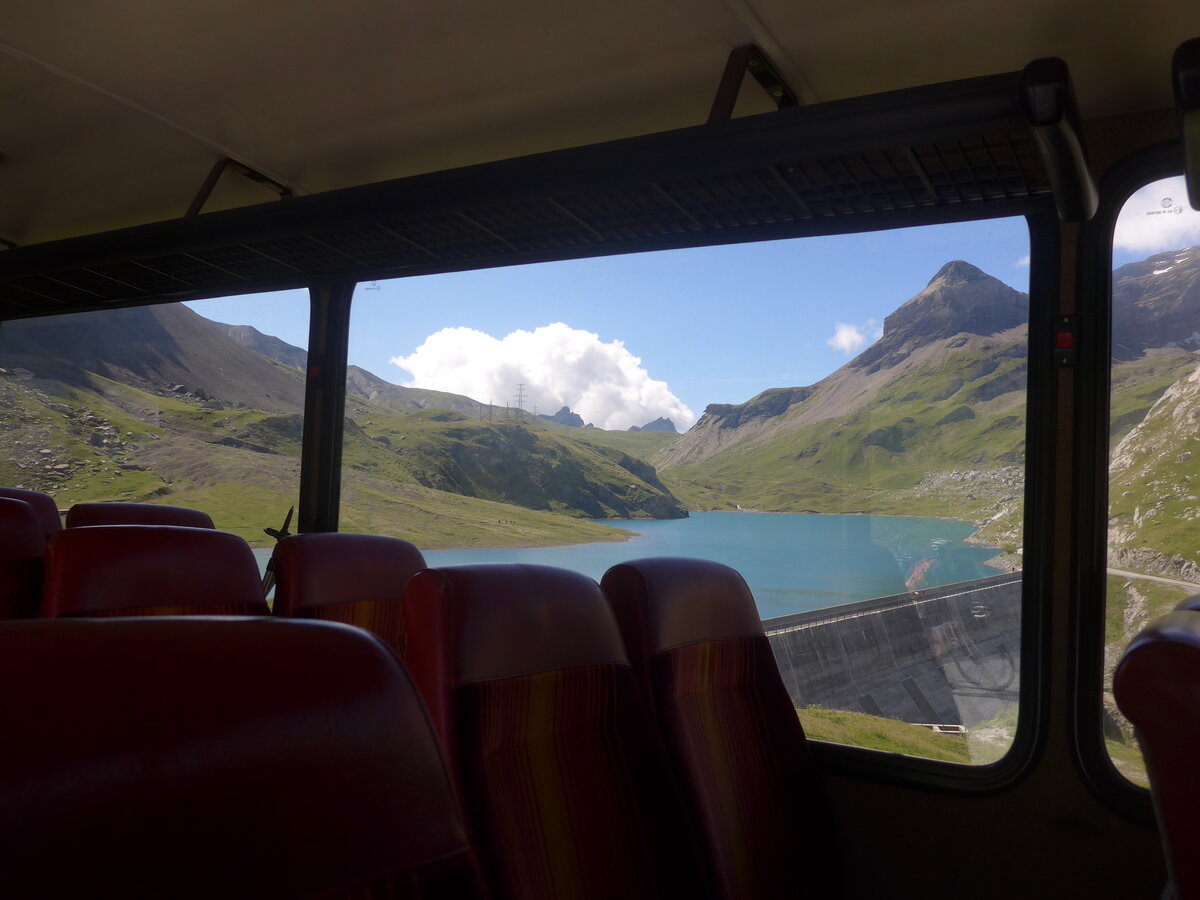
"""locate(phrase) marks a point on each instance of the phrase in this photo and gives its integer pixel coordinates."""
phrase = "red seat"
(208, 758)
(22, 555)
(695, 639)
(43, 506)
(1157, 686)
(565, 788)
(82, 515)
(353, 578)
(131, 570)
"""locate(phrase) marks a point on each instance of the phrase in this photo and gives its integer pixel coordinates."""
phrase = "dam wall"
(946, 656)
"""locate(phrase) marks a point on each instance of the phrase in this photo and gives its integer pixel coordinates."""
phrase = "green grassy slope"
(635, 443)
(242, 468)
(938, 417)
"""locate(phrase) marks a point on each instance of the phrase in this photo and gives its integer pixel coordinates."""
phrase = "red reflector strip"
(1064, 340)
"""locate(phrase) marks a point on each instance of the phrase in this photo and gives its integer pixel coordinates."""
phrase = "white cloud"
(558, 366)
(849, 338)
(846, 338)
(1157, 218)
(1023, 262)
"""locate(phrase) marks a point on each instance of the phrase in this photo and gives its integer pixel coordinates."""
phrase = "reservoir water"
(792, 562)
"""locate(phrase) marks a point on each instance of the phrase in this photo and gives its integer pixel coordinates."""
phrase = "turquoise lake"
(792, 562)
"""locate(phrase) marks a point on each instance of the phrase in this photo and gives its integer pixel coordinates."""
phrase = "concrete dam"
(943, 656)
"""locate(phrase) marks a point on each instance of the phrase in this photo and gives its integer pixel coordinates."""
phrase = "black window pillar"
(324, 406)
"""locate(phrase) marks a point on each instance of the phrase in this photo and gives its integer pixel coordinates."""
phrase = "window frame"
(1036, 609)
(1040, 441)
(1090, 481)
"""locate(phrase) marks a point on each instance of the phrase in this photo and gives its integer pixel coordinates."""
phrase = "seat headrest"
(110, 567)
(510, 619)
(44, 507)
(322, 568)
(83, 515)
(20, 531)
(678, 601)
(1157, 686)
(197, 757)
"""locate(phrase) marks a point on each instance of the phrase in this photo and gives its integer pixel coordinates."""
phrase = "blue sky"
(643, 335)
(717, 324)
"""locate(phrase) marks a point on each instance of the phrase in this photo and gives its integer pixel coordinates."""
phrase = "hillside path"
(1190, 585)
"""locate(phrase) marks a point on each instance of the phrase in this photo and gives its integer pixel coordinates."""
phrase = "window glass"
(198, 405)
(1154, 459)
(841, 419)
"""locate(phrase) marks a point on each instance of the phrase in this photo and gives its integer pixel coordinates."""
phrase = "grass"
(242, 467)
(1157, 599)
(870, 459)
(1127, 758)
(887, 735)
(1137, 384)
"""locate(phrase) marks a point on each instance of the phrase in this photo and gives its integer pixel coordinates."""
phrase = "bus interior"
(215, 217)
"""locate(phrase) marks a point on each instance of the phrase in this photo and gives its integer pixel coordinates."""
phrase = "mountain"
(1156, 303)
(167, 350)
(269, 346)
(1154, 485)
(565, 417)
(361, 383)
(931, 415)
(513, 462)
(973, 350)
(959, 299)
(659, 424)
(159, 402)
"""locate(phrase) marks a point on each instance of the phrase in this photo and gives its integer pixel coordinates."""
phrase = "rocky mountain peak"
(959, 299)
(959, 270)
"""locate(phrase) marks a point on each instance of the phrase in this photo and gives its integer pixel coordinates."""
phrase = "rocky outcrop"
(659, 424)
(566, 417)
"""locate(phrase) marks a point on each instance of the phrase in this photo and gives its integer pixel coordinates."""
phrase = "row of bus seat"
(625, 739)
(29, 520)
(205, 757)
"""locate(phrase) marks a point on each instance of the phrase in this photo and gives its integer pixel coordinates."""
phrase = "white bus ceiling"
(113, 112)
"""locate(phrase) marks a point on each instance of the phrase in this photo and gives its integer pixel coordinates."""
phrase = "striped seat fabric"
(82, 515)
(564, 786)
(22, 555)
(206, 758)
(43, 505)
(1157, 686)
(696, 641)
(138, 570)
(357, 579)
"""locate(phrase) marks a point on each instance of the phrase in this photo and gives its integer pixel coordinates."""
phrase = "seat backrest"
(83, 515)
(695, 639)
(564, 786)
(218, 757)
(353, 578)
(1157, 686)
(22, 555)
(44, 507)
(131, 570)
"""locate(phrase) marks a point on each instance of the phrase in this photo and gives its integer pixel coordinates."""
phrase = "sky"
(623, 340)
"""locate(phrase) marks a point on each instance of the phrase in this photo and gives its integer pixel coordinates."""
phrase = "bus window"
(841, 419)
(1154, 461)
(196, 405)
